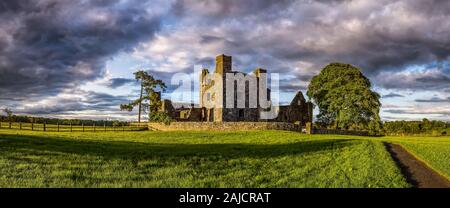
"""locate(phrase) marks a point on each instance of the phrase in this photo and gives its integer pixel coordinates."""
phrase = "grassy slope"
(193, 159)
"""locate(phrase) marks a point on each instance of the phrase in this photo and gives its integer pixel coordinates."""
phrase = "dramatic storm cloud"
(50, 47)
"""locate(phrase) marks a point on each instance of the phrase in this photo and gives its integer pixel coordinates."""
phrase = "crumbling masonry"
(299, 111)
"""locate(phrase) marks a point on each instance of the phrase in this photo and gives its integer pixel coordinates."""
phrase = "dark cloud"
(221, 10)
(398, 111)
(392, 95)
(206, 39)
(436, 79)
(96, 98)
(51, 45)
(118, 82)
(81, 101)
(433, 100)
(432, 77)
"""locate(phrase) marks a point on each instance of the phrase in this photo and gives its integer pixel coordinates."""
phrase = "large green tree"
(148, 94)
(345, 99)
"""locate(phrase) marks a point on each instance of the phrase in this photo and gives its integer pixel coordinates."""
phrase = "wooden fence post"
(0, 124)
(20, 125)
(58, 126)
(44, 126)
(10, 124)
(82, 125)
(93, 126)
(32, 126)
(70, 126)
(123, 127)
(104, 126)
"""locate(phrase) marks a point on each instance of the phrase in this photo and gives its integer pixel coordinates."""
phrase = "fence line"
(70, 128)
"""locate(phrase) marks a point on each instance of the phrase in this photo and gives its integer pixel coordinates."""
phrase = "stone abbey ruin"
(228, 96)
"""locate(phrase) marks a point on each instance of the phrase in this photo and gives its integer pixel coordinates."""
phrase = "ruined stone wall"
(223, 126)
(299, 111)
(191, 114)
(236, 114)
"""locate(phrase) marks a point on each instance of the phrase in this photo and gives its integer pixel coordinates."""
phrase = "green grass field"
(207, 159)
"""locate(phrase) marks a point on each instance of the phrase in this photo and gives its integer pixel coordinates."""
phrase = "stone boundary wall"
(243, 126)
(340, 132)
(223, 126)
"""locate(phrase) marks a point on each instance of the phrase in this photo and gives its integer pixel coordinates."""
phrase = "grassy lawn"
(205, 159)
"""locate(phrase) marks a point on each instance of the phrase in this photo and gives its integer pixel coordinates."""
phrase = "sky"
(75, 59)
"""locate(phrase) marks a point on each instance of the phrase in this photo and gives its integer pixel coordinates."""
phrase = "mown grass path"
(194, 159)
(433, 151)
(416, 172)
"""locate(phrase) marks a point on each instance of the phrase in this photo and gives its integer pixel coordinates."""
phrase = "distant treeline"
(399, 128)
(29, 119)
(424, 127)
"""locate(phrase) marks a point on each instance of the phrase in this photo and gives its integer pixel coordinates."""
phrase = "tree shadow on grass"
(140, 150)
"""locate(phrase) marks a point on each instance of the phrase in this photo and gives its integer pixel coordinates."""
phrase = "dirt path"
(417, 173)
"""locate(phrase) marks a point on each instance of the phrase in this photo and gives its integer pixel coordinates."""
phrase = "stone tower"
(203, 86)
(223, 64)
